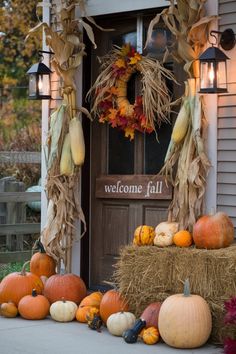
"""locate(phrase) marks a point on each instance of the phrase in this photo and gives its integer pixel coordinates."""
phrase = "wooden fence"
(13, 199)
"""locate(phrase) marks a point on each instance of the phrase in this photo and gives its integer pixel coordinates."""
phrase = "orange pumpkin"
(34, 307)
(183, 238)
(8, 309)
(151, 313)
(144, 235)
(150, 335)
(18, 284)
(41, 263)
(69, 287)
(94, 299)
(112, 302)
(213, 231)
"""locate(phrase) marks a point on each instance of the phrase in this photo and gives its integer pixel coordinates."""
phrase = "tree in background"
(16, 18)
(20, 118)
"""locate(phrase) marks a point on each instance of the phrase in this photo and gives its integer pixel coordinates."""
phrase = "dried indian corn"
(66, 162)
(77, 141)
(182, 122)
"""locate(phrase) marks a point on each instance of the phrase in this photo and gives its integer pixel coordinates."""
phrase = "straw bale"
(147, 274)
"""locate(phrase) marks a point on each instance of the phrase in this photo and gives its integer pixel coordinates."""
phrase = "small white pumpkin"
(119, 322)
(63, 311)
(164, 233)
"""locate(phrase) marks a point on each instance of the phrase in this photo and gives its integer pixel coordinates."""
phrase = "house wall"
(226, 127)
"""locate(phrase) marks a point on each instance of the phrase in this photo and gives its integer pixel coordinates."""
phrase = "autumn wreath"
(110, 102)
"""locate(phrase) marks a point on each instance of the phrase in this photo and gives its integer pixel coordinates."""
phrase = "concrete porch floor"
(19, 336)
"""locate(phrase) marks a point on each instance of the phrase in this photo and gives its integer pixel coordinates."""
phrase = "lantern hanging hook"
(212, 34)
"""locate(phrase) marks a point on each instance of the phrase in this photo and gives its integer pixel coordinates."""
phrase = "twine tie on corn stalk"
(63, 172)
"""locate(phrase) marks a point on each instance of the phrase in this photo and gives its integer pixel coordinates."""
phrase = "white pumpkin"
(164, 233)
(119, 322)
(63, 311)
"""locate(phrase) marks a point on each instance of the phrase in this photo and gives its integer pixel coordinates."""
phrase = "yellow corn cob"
(77, 141)
(181, 123)
(66, 163)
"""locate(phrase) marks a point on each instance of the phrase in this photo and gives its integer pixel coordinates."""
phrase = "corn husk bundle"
(110, 91)
(65, 149)
(186, 164)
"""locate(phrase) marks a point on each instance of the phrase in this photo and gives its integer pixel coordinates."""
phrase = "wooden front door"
(115, 161)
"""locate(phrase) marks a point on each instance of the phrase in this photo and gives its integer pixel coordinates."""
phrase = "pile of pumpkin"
(36, 294)
(209, 232)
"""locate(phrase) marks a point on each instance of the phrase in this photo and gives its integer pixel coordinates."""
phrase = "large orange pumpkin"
(213, 231)
(18, 284)
(34, 307)
(41, 263)
(151, 313)
(69, 287)
(112, 302)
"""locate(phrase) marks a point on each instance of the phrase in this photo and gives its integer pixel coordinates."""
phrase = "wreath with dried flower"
(111, 104)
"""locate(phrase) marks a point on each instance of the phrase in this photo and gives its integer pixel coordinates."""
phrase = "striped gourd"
(182, 122)
(66, 162)
(77, 141)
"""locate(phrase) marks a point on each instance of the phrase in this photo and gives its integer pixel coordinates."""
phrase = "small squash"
(144, 235)
(8, 309)
(185, 320)
(150, 335)
(119, 322)
(112, 302)
(34, 307)
(63, 311)
(94, 300)
(95, 323)
(83, 312)
(131, 335)
(183, 238)
(164, 233)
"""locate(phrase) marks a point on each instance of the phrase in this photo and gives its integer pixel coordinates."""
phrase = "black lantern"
(213, 71)
(39, 81)
(213, 65)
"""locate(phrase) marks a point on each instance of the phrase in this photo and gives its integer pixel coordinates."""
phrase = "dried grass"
(148, 274)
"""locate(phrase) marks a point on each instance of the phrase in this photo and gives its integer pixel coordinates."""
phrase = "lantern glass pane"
(32, 85)
(221, 75)
(207, 75)
(44, 85)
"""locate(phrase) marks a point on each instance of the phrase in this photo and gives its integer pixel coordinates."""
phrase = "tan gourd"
(164, 233)
(77, 141)
(119, 322)
(185, 320)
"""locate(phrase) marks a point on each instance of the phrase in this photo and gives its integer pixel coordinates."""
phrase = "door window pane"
(120, 153)
(121, 149)
(155, 151)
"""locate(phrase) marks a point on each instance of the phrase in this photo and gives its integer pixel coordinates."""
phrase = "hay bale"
(148, 274)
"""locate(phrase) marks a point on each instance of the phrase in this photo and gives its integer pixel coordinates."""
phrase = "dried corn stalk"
(63, 180)
(186, 164)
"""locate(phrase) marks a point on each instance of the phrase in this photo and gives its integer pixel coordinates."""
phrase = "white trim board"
(103, 7)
